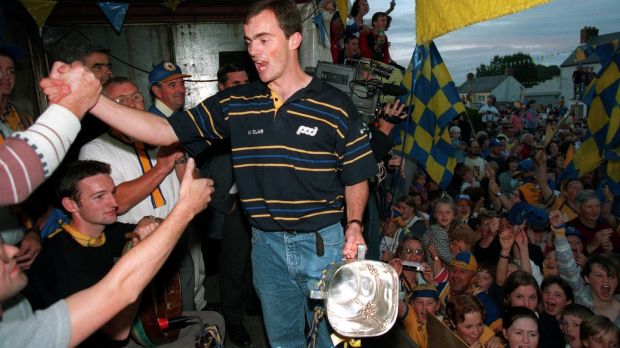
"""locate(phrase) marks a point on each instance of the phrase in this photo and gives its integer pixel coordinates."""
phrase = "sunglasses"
(410, 251)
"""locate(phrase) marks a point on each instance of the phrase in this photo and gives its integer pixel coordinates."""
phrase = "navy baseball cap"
(164, 72)
(14, 52)
(526, 165)
(495, 142)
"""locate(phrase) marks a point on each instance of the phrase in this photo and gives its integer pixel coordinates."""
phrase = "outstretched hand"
(72, 86)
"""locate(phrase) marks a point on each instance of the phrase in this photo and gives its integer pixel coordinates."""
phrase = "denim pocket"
(332, 235)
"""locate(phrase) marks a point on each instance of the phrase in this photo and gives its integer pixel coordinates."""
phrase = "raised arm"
(138, 124)
(91, 308)
(27, 158)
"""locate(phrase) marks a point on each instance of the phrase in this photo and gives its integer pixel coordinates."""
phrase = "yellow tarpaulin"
(437, 17)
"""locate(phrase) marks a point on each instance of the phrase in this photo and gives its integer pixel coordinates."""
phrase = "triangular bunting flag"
(172, 4)
(115, 12)
(39, 10)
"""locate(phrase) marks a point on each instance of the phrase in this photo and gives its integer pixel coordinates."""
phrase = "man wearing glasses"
(144, 175)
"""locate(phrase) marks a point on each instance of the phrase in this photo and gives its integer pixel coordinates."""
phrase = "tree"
(521, 66)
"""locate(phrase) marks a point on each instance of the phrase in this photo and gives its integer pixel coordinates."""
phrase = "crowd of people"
(505, 253)
(510, 253)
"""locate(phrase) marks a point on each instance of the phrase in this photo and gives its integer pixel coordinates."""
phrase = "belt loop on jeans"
(320, 248)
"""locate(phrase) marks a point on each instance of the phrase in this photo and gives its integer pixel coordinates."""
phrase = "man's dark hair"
(607, 264)
(349, 38)
(286, 12)
(222, 73)
(82, 51)
(76, 172)
(7, 53)
(117, 80)
(377, 15)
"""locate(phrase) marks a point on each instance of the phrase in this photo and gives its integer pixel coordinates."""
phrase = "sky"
(549, 33)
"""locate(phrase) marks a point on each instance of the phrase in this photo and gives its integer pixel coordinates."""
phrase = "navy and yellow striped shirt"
(291, 160)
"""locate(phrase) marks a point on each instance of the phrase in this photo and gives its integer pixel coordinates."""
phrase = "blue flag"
(115, 12)
(434, 102)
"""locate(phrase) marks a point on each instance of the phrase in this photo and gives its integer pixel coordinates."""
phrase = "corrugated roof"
(593, 58)
(481, 84)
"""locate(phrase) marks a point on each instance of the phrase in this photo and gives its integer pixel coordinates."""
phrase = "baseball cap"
(425, 290)
(164, 72)
(463, 198)
(465, 260)
(526, 165)
(572, 231)
(495, 142)
(536, 218)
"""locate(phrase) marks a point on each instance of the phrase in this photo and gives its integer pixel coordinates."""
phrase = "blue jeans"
(286, 267)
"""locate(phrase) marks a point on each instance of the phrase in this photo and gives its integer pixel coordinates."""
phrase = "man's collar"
(163, 108)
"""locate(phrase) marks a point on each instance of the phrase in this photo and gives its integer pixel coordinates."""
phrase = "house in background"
(505, 88)
(588, 37)
(546, 92)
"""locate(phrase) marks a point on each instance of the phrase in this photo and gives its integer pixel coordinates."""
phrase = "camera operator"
(381, 144)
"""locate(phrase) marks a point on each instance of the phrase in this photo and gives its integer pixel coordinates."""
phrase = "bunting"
(39, 10)
(115, 13)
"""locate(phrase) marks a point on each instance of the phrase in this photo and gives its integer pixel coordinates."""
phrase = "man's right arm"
(137, 124)
(61, 88)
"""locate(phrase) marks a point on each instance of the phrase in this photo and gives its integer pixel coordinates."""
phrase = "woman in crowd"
(410, 249)
(520, 328)
(521, 290)
(355, 22)
(599, 332)
(465, 316)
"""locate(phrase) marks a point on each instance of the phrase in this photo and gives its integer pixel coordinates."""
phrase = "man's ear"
(70, 205)
(294, 41)
(156, 91)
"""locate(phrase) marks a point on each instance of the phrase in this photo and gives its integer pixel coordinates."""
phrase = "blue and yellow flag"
(435, 102)
(437, 17)
(601, 144)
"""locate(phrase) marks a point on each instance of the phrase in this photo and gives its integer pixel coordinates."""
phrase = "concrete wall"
(195, 47)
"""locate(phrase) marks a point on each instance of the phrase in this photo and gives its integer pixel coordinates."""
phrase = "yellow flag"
(343, 9)
(39, 10)
(548, 135)
(570, 154)
(437, 17)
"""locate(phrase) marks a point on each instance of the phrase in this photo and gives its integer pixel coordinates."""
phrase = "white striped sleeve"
(52, 135)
